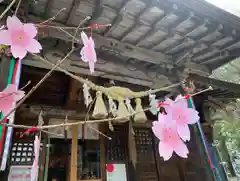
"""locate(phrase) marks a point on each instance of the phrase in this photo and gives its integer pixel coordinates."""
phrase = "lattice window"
(117, 148)
(22, 153)
(144, 144)
(146, 162)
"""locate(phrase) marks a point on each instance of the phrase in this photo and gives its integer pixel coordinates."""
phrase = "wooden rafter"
(155, 27)
(72, 12)
(107, 68)
(137, 20)
(124, 49)
(168, 32)
(232, 87)
(48, 7)
(117, 18)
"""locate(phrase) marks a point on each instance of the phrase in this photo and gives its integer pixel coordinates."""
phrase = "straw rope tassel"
(100, 110)
(122, 112)
(140, 116)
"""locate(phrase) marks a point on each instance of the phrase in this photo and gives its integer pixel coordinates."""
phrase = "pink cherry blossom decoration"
(34, 170)
(8, 97)
(183, 115)
(166, 131)
(20, 37)
(88, 53)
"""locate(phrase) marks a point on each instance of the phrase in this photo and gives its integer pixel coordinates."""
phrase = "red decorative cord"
(29, 131)
(95, 26)
(161, 104)
(187, 96)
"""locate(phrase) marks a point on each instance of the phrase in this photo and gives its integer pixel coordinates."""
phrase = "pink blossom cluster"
(172, 128)
(21, 39)
(8, 97)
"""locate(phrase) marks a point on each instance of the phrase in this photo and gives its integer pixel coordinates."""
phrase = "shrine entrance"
(88, 164)
(59, 156)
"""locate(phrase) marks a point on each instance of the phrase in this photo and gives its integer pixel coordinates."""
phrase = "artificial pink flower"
(20, 37)
(8, 97)
(88, 53)
(34, 170)
(183, 115)
(166, 131)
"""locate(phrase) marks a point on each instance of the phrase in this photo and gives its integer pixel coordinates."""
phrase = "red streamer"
(187, 96)
(29, 131)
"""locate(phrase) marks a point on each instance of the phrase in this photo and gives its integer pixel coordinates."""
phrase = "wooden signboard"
(89, 133)
(19, 173)
(116, 172)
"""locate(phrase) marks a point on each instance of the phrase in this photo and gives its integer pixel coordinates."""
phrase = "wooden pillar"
(102, 153)
(203, 153)
(132, 152)
(181, 170)
(156, 155)
(74, 94)
(47, 159)
(73, 166)
(42, 160)
(43, 156)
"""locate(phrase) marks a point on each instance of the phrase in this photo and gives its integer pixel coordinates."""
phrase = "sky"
(232, 6)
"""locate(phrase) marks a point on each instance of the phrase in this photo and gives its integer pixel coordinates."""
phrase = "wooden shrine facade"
(149, 45)
(64, 158)
(61, 96)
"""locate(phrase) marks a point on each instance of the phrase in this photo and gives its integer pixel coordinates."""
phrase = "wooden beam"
(123, 49)
(29, 112)
(118, 70)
